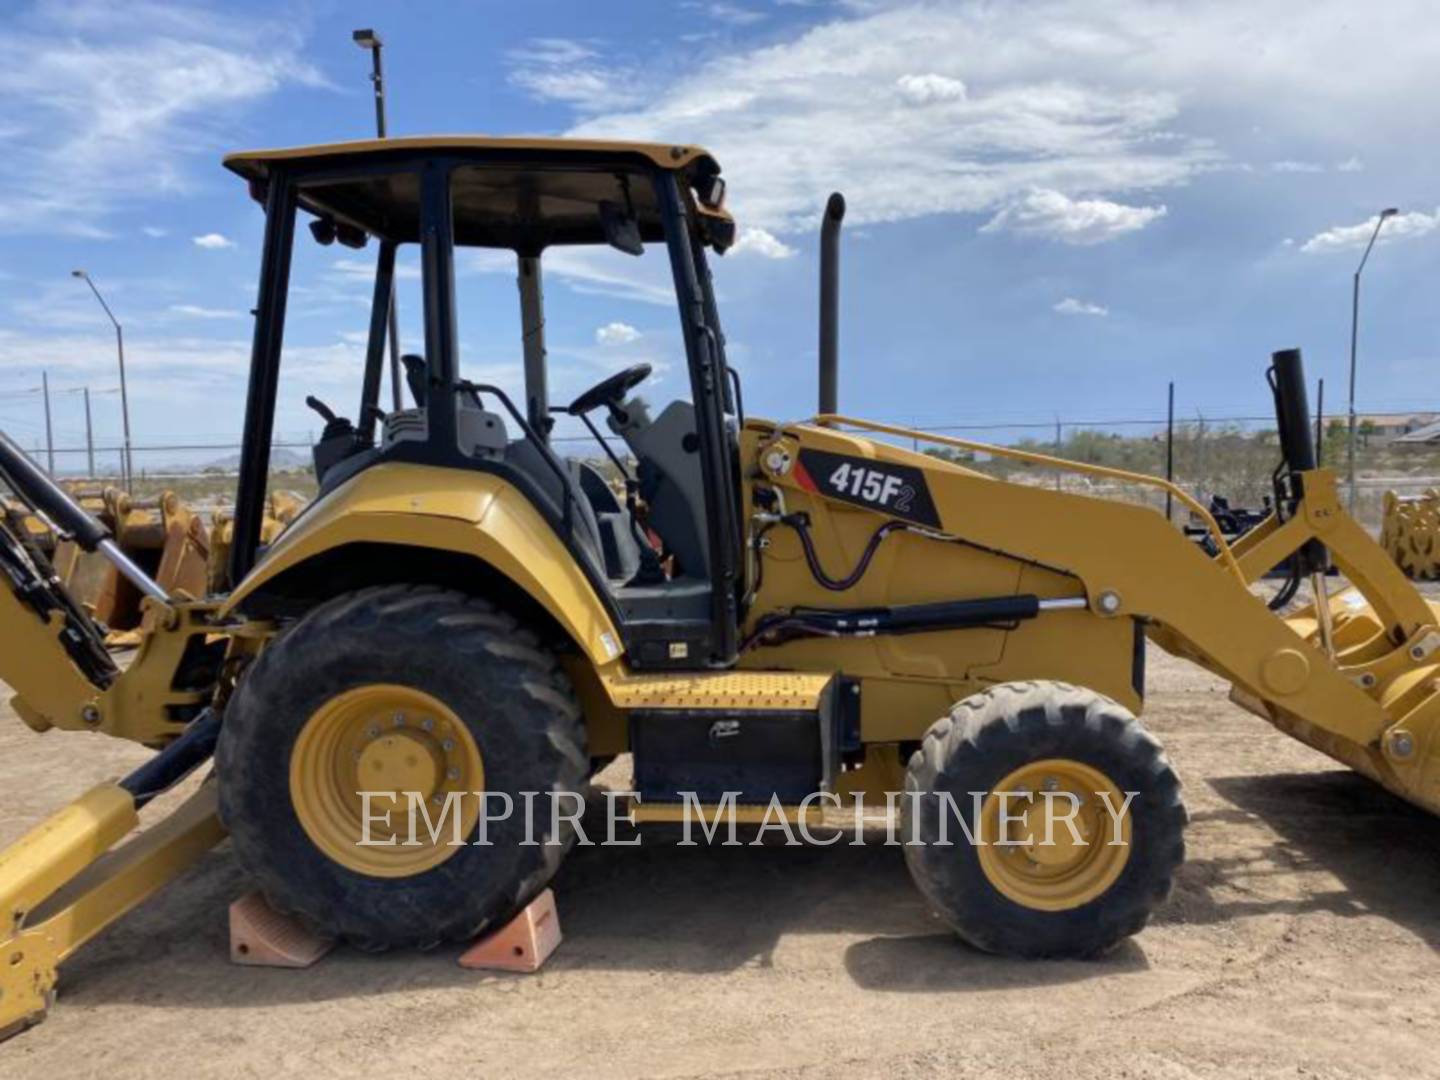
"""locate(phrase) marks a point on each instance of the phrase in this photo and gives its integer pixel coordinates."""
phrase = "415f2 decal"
(898, 490)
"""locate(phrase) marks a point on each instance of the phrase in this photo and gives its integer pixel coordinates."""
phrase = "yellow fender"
(471, 513)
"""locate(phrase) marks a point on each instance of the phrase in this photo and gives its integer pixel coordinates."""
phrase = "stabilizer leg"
(78, 905)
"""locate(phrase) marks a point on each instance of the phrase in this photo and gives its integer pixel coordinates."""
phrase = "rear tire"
(470, 662)
(1000, 899)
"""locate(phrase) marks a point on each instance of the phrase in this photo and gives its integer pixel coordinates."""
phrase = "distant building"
(1424, 435)
(1393, 427)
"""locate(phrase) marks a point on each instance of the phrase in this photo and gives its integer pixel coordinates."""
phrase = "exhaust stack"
(830, 303)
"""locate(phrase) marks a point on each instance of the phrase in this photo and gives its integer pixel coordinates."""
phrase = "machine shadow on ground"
(1383, 852)
(655, 907)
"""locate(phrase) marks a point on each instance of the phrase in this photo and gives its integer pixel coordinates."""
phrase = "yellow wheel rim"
(1061, 873)
(394, 740)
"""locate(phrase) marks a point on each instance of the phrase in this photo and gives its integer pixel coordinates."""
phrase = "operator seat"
(672, 482)
(617, 537)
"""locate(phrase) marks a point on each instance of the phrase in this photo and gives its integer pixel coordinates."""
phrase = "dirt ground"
(1301, 941)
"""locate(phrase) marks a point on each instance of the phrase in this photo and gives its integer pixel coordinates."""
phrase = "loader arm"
(1373, 704)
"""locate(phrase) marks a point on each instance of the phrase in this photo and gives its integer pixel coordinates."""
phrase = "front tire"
(400, 688)
(1080, 894)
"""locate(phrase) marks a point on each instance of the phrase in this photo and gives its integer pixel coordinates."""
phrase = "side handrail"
(568, 493)
(1221, 544)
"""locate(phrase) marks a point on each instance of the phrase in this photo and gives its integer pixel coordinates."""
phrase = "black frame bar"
(709, 390)
(437, 257)
(264, 372)
(380, 309)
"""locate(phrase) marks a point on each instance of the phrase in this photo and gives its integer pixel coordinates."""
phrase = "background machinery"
(1410, 533)
(772, 610)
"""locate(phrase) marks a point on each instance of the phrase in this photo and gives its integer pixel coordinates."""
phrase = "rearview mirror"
(621, 227)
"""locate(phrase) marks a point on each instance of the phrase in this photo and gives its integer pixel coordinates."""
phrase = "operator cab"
(650, 508)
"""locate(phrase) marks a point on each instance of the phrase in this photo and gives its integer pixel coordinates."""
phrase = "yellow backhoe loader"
(773, 610)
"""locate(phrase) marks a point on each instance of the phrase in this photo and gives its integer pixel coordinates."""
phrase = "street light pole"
(1385, 215)
(129, 463)
(369, 40)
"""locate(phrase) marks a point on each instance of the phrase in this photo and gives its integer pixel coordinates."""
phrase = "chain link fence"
(1230, 456)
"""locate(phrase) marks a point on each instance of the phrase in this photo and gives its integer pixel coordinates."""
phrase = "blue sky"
(1056, 206)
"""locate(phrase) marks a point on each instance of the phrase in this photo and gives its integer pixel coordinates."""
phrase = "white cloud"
(1296, 167)
(571, 72)
(1071, 306)
(1100, 99)
(790, 121)
(361, 271)
(155, 232)
(119, 100)
(591, 271)
(1055, 215)
(927, 89)
(1351, 164)
(195, 311)
(1354, 237)
(763, 243)
(731, 14)
(553, 51)
(213, 241)
(616, 333)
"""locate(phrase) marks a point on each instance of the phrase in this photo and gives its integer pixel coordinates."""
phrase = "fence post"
(1199, 452)
(89, 437)
(49, 430)
(1170, 452)
(1059, 448)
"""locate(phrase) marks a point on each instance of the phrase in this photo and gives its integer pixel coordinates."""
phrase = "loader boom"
(1369, 699)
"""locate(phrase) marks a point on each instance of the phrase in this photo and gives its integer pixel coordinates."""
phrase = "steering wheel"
(610, 391)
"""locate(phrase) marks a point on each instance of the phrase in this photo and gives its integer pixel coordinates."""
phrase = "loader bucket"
(1405, 682)
(161, 535)
(83, 573)
(281, 508)
(29, 525)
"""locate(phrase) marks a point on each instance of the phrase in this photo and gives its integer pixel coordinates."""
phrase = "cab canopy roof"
(519, 193)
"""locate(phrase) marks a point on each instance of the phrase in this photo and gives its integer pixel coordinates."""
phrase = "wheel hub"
(378, 764)
(1047, 835)
(401, 762)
